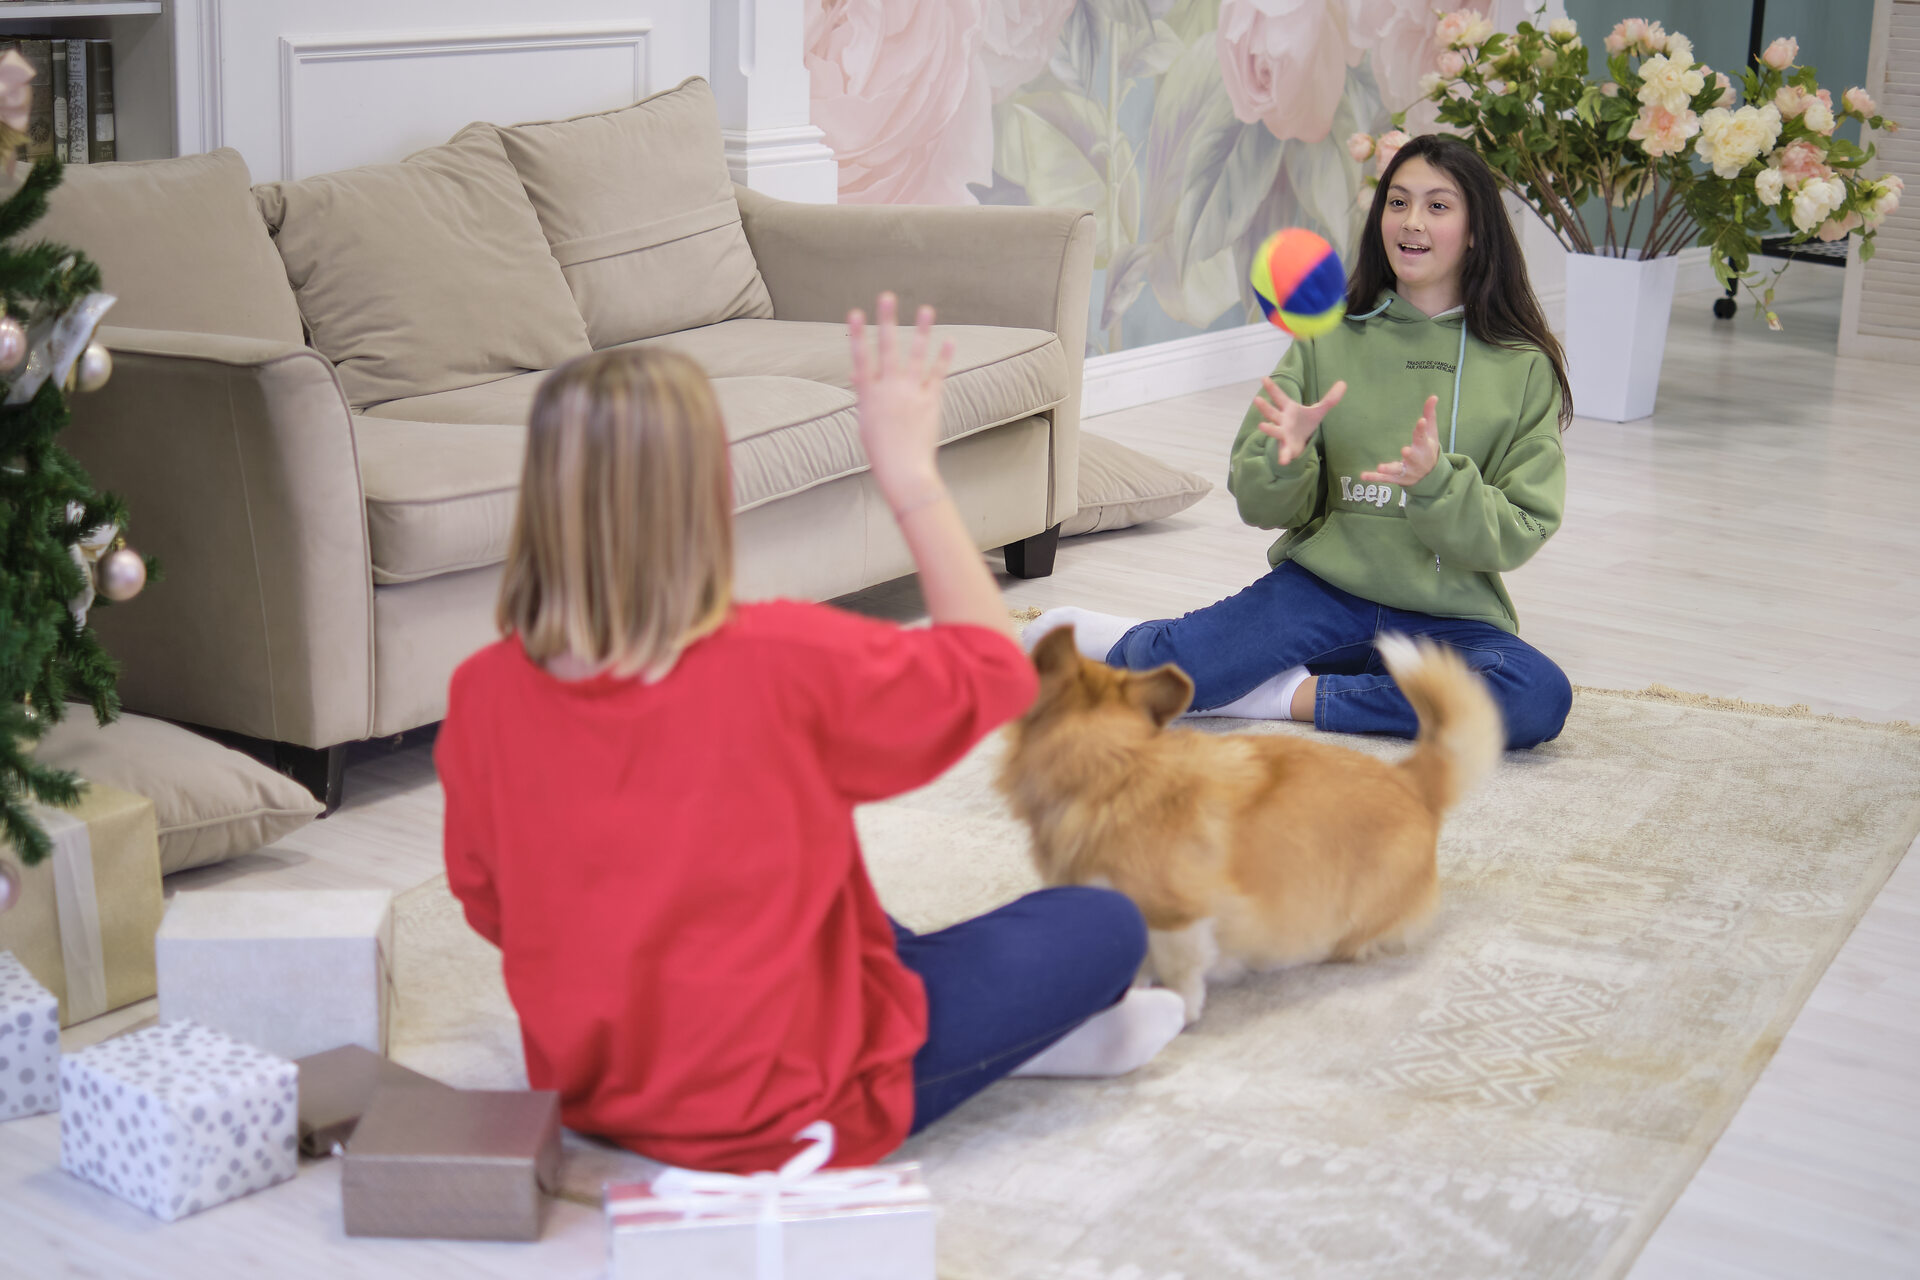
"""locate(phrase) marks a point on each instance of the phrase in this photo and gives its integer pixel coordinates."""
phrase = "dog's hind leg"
(1403, 932)
(1181, 959)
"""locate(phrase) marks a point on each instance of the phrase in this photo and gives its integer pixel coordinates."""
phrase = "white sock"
(1094, 634)
(1271, 699)
(1118, 1039)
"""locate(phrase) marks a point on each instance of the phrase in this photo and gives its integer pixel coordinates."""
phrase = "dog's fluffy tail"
(1461, 734)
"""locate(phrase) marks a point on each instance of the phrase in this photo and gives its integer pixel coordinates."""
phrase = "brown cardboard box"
(455, 1164)
(336, 1088)
(110, 869)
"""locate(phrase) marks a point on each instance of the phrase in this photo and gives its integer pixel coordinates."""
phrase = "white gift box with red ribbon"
(803, 1222)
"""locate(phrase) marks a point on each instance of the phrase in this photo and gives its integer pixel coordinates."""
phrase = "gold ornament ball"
(122, 574)
(10, 887)
(13, 342)
(95, 367)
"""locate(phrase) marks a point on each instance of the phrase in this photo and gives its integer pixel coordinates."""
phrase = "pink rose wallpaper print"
(1191, 128)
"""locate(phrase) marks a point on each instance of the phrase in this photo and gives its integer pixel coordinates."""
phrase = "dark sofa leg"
(321, 770)
(1033, 557)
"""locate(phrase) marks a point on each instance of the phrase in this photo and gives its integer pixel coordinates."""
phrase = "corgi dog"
(1243, 851)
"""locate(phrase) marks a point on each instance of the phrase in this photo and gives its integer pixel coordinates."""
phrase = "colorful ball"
(1300, 283)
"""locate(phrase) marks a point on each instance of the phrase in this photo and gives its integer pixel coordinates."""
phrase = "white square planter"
(1617, 310)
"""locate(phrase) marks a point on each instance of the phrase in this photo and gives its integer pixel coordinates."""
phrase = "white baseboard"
(1163, 370)
(1142, 375)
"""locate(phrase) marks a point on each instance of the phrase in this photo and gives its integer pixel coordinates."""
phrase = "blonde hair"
(622, 545)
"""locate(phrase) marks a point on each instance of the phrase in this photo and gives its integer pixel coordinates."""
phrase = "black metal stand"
(1831, 252)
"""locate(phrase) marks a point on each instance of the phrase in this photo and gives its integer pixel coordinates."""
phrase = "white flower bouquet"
(1707, 158)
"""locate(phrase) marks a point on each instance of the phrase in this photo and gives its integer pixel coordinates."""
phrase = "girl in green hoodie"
(1390, 527)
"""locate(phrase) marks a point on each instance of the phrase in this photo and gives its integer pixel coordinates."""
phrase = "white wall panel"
(300, 88)
(347, 101)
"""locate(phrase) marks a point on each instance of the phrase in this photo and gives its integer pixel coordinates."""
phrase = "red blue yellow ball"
(1300, 283)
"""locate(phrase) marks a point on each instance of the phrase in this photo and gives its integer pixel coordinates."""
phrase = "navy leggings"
(1003, 986)
(1290, 618)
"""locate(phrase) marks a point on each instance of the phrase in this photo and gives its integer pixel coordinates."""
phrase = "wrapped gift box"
(801, 1223)
(177, 1118)
(85, 922)
(451, 1164)
(294, 972)
(29, 1043)
(337, 1086)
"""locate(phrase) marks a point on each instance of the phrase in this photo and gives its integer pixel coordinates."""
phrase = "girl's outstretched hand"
(1291, 423)
(899, 404)
(1417, 459)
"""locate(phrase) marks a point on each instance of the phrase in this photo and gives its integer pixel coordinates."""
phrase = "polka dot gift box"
(178, 1118)
(29, 1043)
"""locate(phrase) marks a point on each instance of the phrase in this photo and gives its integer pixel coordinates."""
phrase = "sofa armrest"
(236, 459)
(1017, 266)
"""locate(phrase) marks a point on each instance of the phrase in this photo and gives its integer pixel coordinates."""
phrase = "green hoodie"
(1439, 546)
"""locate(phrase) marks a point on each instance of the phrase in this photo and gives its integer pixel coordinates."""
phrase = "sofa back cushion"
(425, 275)
(180, 243)
(638, 208)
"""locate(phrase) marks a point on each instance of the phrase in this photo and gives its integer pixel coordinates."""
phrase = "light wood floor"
(1755, 539)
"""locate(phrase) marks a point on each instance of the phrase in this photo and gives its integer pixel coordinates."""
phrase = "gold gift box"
(121, 882)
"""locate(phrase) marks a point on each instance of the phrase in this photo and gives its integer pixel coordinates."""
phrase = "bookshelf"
(141, 32)
(20, 10)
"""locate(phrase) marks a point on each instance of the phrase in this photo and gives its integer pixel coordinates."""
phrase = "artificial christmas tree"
(60, 540)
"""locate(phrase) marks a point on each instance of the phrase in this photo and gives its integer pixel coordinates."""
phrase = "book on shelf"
(72, 111)
(99, 54)
(39, 56)
(76, 102)
(57, 86)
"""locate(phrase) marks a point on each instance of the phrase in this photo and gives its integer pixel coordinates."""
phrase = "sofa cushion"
(426, 275)
(180, 243)
(440, 495)
(1120, 488)
(638, 208)
(210, 802)
(997, 374)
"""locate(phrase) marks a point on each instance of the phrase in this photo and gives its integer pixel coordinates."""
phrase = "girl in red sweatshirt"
(650, 793)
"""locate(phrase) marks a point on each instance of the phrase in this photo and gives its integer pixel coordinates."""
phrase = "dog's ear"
(1162, 693)
(1055, 654)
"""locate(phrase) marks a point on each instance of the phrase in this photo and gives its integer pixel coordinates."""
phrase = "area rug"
(1633, 914)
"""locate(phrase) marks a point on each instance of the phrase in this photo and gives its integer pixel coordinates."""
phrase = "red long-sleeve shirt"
(699, 962)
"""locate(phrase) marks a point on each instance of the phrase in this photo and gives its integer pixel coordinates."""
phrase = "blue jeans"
(1003, 986)
(1290, 618)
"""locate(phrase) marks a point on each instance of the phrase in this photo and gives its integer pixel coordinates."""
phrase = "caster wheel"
(1723, 308)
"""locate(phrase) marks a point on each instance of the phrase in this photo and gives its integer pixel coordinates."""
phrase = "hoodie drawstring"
(1459, 366)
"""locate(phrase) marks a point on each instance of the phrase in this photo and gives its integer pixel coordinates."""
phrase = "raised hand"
(1417, 458)
(1291, 423)
(899, 404)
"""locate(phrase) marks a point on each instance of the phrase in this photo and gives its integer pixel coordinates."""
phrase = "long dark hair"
(1501, 308)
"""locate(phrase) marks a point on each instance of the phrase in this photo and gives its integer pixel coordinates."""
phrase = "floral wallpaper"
(1192, 128)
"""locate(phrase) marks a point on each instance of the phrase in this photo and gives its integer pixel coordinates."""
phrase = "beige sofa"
(320, 387)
